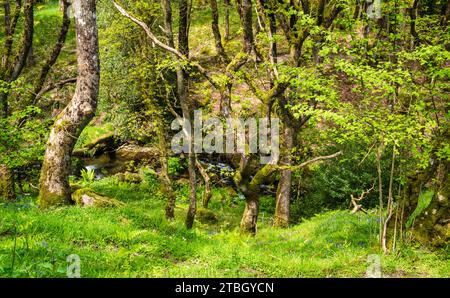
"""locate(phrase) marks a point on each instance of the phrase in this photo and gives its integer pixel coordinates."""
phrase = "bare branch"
(55, 86)
(164, 46)
(354, 201)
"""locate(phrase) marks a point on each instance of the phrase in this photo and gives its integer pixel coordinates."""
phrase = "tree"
(54, 187)
(11, 67)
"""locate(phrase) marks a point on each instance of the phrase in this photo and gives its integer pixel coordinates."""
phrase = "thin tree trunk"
(283, 195)
(380, 192)
(246, 15)
(413, 20)
(165, 178)
(27, 41)
(167, 10)
(183, 93)
(55, 51)
(250, 215)
(12, 70)
(54, 183)
(216, 31)
(227, 20)
(6, 184)
(207, 193)
(389, 204)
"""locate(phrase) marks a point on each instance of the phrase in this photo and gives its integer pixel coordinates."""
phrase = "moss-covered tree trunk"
(54, 182)
(432, 225)
(183, 94)
(11, 69)
(283, 195)
(251, 190)
(215, 28)
(165, 177)
(250, 216)
(6, 184)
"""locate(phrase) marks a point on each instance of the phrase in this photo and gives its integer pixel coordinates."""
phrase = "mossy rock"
(129, 177)
(86, 197)
(135, 152)
(206, 216)
(74, 187)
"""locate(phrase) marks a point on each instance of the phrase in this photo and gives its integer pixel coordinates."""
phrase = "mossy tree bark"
(6, 184)
(183, 94)
(251, 188)
(207, 193)
(227, 20)
(54, 183)
(165, 177)
(215, 28)
(283, 195)
(432, 226)
(11, 68)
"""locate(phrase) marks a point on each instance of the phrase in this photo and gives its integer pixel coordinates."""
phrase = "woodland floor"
(135, 240)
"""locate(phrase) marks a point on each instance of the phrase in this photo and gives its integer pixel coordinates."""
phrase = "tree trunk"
(390, 204)
(65, 4)
(432, 226)
(250, 215)
(11, 70)
(283, 195)
(6, 184)
(380, 192)
(215, 29)
(165, 178)
(227, 20)
(413, 20)
(167, 9)
(246, 15)
(54, 183)
(207, 193)
(183, 94)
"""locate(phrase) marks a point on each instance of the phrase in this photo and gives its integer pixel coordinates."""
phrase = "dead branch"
(354, 201)
(54, 86)
(163, 46)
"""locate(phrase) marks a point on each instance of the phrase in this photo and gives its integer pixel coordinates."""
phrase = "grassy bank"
(135, 240)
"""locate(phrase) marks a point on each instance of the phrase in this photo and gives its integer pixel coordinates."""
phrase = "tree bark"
(11, 70)
(432, 226)
(390, 204)
(183, 94)
(380, 191)
(6, 184)
(216, 31)
(250, 216)
(27, 41)
(413, 20)
(283, 195)
(246, 15)
(207, 193)
(227, 20)
(167, 10)
(54, 183)
(165, 178)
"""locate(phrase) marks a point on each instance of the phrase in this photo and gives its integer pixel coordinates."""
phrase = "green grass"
(136, 241)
